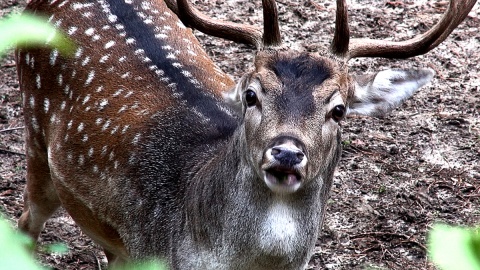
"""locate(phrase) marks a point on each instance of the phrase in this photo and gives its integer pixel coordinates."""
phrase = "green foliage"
(347, 142)
(55, 248)
(14, 248)
(147, 265)
(382, 189)
(454, 248)
(32, 31)
(16, 252)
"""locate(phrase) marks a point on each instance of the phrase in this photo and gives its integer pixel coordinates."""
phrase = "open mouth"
(282, 179)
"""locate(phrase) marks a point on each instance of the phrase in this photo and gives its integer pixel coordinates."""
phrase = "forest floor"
(398, 175)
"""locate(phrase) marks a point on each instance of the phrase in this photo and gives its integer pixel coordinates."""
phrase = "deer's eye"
(250, 98)
(338, 113)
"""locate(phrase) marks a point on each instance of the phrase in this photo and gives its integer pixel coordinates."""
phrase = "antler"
(455, 14)
(240, 33)
(341, 37)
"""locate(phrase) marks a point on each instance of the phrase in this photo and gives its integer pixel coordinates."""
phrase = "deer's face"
(292, 104)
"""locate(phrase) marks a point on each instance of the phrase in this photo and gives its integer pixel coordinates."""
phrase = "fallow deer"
(137, 138)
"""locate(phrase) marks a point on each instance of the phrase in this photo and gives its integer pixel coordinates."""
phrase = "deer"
(155, 152)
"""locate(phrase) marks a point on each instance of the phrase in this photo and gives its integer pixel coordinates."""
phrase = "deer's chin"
(281, 180)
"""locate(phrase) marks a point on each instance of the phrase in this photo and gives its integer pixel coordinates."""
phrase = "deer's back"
(92, 116)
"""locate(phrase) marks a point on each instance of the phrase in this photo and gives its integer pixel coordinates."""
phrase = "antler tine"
(240, 33)
(455, 14)
(341, 37)
(271, 30)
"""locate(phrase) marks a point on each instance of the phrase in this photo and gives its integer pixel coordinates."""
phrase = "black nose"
(286, 156)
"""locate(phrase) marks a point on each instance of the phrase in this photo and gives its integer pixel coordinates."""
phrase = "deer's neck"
(229, 208)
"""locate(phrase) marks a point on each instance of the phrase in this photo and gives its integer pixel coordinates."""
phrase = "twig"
(5, 151)
(11, 129)
(408, 239)
(9, 65)
(96, 259)
(416, 243)
(379, 234)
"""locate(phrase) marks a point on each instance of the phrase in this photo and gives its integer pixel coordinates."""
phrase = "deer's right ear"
(234, 95)
(380, 93)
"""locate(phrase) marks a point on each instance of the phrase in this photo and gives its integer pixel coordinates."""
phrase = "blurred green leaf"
(453, 248)
(56, 248)
(147, 265)
(28, 30)
(13, 251)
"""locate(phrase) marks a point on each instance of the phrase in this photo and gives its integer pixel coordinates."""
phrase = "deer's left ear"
(378, 94)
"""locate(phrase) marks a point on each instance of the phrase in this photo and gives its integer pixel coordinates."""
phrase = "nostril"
(275, 151)
(287, 157)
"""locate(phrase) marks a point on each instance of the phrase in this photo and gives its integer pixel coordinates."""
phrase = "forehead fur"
(298, 80)
(303, 68)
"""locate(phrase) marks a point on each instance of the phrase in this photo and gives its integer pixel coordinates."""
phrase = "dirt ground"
(398, 175)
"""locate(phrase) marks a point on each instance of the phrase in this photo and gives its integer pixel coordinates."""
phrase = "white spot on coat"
(161, 36)
(122, 109)
(66, 90)
(53, 118)
(53, 57)
(86, 99)
(87, 14)
(136, 138)
(112, 18)
(125, 128)
(181, 25)
(63, 3)
(46, 104)
(102, 104)
(106, 125)
(86, 61)
(78, 52)
(81, 160)
(109, 44)
(117, 93)
(90, 77)
(90, 31)
(80, 127)
(104, 58)
(38, 81)
(35, 125)
(72, 30)
(128, 94)
(104, 150)
(32, 102)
